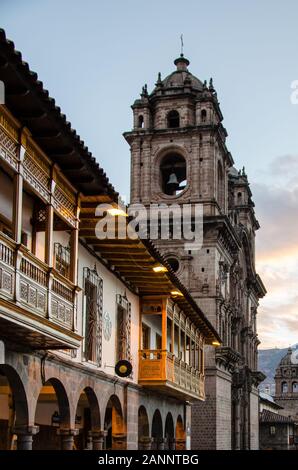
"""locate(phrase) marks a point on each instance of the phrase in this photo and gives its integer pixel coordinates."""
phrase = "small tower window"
(173, 119)
(173, 174)
(203, 115)
(272, 431)
(141, 121)
(174, 263)
(284, 387)
(295, 387)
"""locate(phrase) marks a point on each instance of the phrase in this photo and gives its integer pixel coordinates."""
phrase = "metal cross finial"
(182, 45)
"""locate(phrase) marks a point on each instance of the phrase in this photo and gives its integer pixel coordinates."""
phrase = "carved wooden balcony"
(37, 304)
(160, 369)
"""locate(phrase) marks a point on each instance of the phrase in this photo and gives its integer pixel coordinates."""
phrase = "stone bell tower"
(179, 156)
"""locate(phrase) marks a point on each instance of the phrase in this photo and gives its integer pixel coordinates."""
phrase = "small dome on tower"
(287, 359)
(181, 77)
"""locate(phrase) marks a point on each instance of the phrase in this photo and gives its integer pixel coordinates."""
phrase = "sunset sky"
(95, 56)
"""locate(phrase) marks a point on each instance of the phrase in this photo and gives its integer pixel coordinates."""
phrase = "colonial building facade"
(277, 427)
(179, 156)
(286, 383)
(73, 304)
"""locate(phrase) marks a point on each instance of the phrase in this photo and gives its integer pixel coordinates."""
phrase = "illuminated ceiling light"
(176, 293)
(216, 343)
(160, 269)
(115, 211)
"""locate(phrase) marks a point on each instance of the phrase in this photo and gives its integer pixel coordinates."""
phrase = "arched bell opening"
(173, 179)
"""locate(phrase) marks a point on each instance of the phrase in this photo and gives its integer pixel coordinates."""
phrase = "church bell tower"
(179, 156)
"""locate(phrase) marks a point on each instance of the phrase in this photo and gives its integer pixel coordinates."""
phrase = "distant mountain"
(268, 362)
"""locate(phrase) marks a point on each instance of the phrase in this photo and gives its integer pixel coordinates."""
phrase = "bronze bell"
(172, 184)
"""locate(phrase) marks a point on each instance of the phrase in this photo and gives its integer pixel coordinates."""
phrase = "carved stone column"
(246, 424)
(89, 443)
(25, 436)
(145, 443)
(237, 433)
(67, 438)
(172, 443)
(161, 442)
(98, 439)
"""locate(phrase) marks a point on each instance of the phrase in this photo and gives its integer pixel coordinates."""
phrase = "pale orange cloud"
(277, 253)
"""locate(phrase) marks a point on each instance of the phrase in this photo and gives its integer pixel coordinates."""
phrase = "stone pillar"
(172, 443)
(89, 444)
(161, 442)
(154, 443)
(246, 425)
(67, 438)
(25, 436)
(237, 436)
(146, 172)
(98, 439)
(135, 172)
(145, 443)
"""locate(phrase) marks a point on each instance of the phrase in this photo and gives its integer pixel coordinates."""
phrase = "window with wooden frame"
(146, 334)
(123, 333)
(62, 259)
(93, 287)
(158, 341)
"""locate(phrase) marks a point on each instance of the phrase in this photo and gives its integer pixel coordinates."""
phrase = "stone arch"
(114, 424)
(157, 430)
(94, 407)
(53, 416)
(174, 261)
(92, 402)
(87, 419)
(140, 121)
(63, 401)
(203, 115)
(180, 434)
(169, 431)
(14, 413)
(172, 174)
(156, 173)
(143, 428)
(173, 119)
(284, 387)
(19, 394)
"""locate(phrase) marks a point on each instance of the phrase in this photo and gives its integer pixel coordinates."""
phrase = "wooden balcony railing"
(160, 367)
(6, 254)
(27, 282)
(33, 272)
(36, 168)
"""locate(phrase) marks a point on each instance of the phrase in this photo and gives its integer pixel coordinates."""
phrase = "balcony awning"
(30, 103)
(133, 262)
(23, 328)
